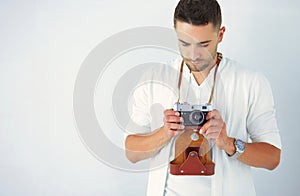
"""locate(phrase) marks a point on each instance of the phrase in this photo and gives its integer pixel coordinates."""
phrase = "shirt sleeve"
(139, 122)
(261, 119)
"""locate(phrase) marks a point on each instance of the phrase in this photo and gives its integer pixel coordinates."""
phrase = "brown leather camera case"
(188, 159)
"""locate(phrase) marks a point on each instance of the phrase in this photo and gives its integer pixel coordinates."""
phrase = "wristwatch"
(240, 148)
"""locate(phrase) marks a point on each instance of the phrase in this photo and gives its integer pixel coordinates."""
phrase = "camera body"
(193, 115)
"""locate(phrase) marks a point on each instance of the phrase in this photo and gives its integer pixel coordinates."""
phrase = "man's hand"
(260, 154)
(173, 123)
(215, 129)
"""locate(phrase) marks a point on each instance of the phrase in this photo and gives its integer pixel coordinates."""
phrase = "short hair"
(198, 12)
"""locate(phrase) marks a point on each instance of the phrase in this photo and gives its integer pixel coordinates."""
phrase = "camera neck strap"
(219, 58)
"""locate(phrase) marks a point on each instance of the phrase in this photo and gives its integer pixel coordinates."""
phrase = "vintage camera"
(193, 115)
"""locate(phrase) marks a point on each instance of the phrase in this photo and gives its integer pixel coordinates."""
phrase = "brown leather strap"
(220, 56)
(180, 79)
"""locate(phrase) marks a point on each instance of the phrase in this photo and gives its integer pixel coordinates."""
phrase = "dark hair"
(198, 12)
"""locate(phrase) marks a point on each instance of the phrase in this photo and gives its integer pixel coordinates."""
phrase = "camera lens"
(196, 117)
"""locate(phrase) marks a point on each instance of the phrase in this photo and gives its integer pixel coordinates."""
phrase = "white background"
(43, 44)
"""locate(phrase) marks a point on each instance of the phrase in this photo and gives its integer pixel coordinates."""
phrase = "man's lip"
(195, 62)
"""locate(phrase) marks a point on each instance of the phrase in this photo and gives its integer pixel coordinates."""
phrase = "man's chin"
(197, 67)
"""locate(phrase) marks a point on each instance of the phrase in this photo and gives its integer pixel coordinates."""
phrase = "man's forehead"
(195, 33)
(199, 38)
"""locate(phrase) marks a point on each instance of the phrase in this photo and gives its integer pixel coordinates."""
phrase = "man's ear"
(221, 34)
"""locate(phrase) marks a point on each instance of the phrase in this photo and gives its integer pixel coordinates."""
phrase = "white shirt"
(245, 101)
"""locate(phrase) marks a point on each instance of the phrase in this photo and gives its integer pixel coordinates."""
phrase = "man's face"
(198, 44)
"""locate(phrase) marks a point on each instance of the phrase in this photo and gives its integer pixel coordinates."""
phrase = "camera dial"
(196, 117)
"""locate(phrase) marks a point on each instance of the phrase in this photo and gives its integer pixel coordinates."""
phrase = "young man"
(243, 125)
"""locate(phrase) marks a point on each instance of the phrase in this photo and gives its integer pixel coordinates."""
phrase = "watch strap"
(238, 149)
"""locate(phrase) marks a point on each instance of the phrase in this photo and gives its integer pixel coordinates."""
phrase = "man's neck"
(200, 76)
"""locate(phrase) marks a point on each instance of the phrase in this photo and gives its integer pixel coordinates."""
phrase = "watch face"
(240, 145)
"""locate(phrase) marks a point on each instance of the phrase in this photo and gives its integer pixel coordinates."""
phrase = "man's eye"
(203, 45)
(185, 44)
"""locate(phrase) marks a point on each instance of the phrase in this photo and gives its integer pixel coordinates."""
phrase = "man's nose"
(194, 53)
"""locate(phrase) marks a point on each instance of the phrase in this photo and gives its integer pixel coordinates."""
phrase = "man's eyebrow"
(200, 43)
(204, 42)
(183, 41)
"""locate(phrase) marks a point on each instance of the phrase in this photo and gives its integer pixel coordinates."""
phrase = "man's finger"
(171, 113)
(214, 114)
(208, 124)
(173, 119)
